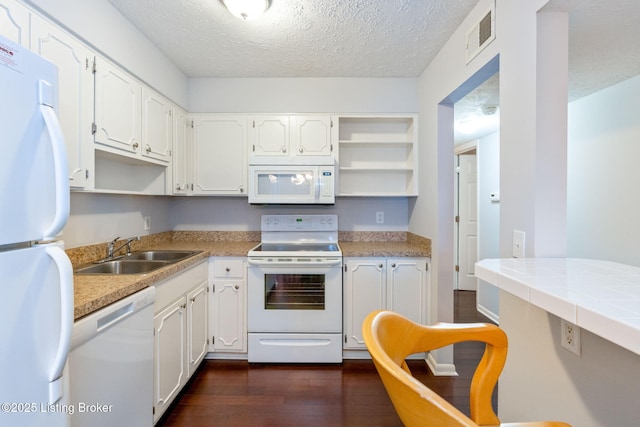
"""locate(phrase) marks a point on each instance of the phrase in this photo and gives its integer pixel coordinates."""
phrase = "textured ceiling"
(299, 38)
(370, 38)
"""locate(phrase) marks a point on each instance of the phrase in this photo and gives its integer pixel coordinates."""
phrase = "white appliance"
(36, 278)
(111, 364)
(288, 184)
(295, 291)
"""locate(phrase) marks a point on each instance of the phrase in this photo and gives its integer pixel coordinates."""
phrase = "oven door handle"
(291, 263)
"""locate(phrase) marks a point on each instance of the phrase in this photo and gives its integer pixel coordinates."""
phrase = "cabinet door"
(157, 126)
(364, 292)
(181, 153)
(169, 355)
(219, 155)
(14, 22)
(197, 321)
(311, 135)
(117, 110)
(406, 287)
(75, 95)
(269, 136)
(229, 314)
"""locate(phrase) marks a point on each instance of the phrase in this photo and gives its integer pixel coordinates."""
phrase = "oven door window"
(294, 291)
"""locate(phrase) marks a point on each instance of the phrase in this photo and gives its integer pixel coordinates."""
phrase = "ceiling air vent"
(481, 34)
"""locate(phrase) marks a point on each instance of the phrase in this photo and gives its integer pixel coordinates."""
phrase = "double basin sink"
(136, 262)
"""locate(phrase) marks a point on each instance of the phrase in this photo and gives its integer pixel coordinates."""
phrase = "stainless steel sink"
(122, 267)
(136, 263)
(173, 256)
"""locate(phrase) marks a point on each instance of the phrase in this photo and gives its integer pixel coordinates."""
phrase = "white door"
(269, 136)
(197, 321)
(117, 108)
(157, 126)
(169, 355)
(468, 221)
(75, 82)
(406, 290)
(36, 317)
(14, 22)
(364, 292)
(219, 155)
(34, 201)
(229, 316)
(311, 135)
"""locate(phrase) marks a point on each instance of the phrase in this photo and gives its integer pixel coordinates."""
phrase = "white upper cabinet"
(311, 135)
(274, 139)
(269, 136)
(219, 155)
(157, 126)
(14, 22)
(75, 96)
(117, 110)
(181, 156)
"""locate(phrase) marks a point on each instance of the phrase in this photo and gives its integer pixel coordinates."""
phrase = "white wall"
(488, 152)
(98, 218)
(303, 95)
(107, 31)
(603, 200)
(235, 214)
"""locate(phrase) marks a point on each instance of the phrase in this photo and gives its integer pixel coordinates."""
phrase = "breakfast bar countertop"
(602, 297)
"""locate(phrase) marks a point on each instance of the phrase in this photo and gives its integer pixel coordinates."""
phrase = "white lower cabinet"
(180, 327)
(228, 305)
(397, 284)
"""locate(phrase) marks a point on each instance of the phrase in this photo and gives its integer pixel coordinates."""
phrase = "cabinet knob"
(236, 287)
(148, 149)
(178, 187)
(227, 269)
(242, 189)
(284, 149)
(301, 150)
(393, 265)
(135, 145)
(380, 266)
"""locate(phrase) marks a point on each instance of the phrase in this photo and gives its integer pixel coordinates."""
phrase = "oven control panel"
(299, 223)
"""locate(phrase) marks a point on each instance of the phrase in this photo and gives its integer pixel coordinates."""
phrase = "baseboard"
(441, 369)
(488, 313)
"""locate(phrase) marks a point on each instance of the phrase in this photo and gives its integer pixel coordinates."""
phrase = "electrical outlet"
(570, 337)
(379, 217)
(147, 223)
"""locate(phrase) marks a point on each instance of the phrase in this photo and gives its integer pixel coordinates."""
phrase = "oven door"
(295, 298)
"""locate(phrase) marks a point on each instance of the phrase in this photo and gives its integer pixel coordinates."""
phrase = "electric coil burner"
(295, 291)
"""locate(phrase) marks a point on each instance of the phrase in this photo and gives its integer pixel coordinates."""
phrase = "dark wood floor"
(236, 393)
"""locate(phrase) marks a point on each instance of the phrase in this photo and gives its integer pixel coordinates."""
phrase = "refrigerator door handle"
(65, 272)
(59, 160)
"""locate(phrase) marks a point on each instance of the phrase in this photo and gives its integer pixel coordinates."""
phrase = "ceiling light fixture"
(246, 9)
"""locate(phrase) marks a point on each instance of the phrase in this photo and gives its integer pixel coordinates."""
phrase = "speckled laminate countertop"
(93, 292)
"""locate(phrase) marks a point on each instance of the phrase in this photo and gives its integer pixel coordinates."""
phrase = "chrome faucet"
(110, 247)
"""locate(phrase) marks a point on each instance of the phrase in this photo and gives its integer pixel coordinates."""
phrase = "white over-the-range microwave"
(292, 184)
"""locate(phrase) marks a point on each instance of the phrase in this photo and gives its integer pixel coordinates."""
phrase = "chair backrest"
(390, 338)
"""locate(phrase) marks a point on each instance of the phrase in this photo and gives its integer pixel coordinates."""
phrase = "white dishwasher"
(111, 364)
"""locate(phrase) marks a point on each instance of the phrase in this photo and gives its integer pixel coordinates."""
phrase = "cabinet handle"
(135, 145)
(178, 187)
(148, 149)
(284, 149)
(301, 149)
(183, 306)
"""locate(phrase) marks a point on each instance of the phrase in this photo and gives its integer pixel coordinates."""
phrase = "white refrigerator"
(36, 277)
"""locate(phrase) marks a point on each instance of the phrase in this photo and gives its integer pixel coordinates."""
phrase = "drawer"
(227, 268)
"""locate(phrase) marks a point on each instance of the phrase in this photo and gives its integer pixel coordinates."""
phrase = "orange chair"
(390, 338)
